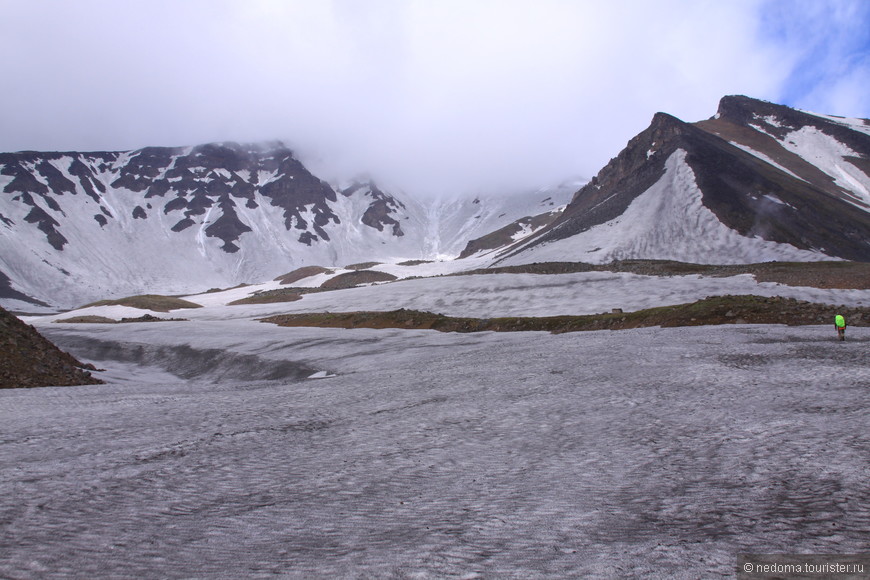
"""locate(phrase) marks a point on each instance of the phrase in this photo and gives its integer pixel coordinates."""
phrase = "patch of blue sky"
(826, 45)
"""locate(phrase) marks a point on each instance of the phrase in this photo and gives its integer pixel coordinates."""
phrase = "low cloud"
(435, 96)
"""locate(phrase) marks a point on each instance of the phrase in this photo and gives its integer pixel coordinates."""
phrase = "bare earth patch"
(302, 273)
(351, 279)
(361, 266)
(90, 319)
(270, 297)
(154, 302)
(709, 311)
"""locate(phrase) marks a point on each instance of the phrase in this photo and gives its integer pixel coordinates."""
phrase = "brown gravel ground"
(712, 310)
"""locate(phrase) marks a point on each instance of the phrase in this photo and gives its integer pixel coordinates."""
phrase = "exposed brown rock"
(351, 279)
(27, 359)
(270, 297)
(154, 302)
(361, 266)
(302, 273)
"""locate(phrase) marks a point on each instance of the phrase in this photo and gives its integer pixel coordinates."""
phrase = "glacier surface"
(225, 447)
(643, 453)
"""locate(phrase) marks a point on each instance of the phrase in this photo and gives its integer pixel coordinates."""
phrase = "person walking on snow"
(840, 323)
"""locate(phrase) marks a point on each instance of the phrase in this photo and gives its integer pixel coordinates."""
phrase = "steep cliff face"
(625, 177)
(791, 184)
(27, 359)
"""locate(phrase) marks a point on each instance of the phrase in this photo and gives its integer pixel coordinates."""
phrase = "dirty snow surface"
(654, 453)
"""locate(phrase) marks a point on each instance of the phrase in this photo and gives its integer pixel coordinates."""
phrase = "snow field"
(492, 295)
(644, 453)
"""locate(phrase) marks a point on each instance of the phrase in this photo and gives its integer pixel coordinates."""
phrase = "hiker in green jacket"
(840, 323)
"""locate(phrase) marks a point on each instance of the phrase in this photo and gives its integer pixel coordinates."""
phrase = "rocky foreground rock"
(27, 359)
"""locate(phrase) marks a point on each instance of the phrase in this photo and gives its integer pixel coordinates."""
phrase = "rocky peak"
(625, 176)
(740, 176)
(658, 138)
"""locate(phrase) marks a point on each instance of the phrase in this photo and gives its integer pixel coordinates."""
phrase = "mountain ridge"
(746, 191)
(76, 227)
(756, 182)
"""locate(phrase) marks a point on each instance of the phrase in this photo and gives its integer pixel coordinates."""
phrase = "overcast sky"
(429, 94)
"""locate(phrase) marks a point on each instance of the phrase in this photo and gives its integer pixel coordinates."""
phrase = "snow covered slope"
(456, 220)
(76, 227)
(413, 452)
(757, 182)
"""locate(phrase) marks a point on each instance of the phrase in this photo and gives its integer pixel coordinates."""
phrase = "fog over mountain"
(434, 96)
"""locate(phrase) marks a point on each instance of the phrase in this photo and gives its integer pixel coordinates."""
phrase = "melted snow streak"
(668, 222)
(646, 453)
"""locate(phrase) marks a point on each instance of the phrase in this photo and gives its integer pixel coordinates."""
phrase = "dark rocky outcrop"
(27, 359)
(47, 225)
(7, 291)
(228, 227)
(380, 210)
